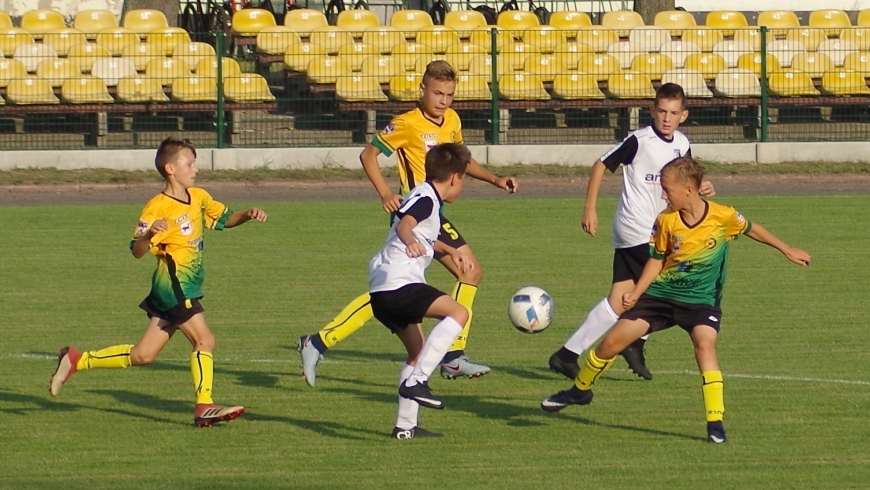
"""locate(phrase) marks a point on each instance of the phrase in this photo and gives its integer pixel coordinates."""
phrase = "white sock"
(645, 337)
(408, 409)
(599, 320)
(440, 339)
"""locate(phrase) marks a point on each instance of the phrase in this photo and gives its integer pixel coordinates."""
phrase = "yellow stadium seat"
(785, 50)
(650, 37)
(576, 86)
(137, 89)
(11, 70)
(92, 22)
(752, 62)
(354, 54)
(678, 50)
(304, 21)
(143, 21)
(27, 91)
(167, 38)
(359, 88)
(357, 21)
(12, 37)
(517, 20)
(707, 64)
(813, 64)
(625, 51)
(459, 55)
(675, 21)
(652, 64)
(331, 38)
(737, 82)
(778, 22)
(515, 54)
(836, 49)
(405, 87)
(464, 21)
(194, 88)
(731, 51)
(482, 65)
(85, 55)
(193, 53)
(141, 54)
(297, 56)
(600, 66)
(167, 69)
(569, 20)
(439, 38)
(249, 22)
(6, 21)
(622, 20)
(790, 83)
(64, 38)
(410, 21)
(521, 86)
(423, 61)
(482, 36)
(546, 38)
(85, 89)
(407, 53)
(750, 37)
(831, 20)
(115, 39)
(842, 82)
(860, 37)
(40, 21)
(859, 62)
(703, 37)
(630, 86)
(249, 87)
(810, 38)
(692, 82)
(384, 38)
(112, 70)
(275, 40)
(570, 52)
(546, 66)
(327, 69)
(599, 39)
(57, 70)
(209, 68)
(726, 20)
(32, 54)
(381, 67)
(472, 87)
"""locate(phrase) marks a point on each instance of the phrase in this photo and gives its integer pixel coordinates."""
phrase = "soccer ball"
(531, 309)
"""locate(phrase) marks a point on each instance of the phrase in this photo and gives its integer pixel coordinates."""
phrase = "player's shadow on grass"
(246, 378)
(344, 354)
(322, 427)
(533, 373)
(47, 404)
(643, 430)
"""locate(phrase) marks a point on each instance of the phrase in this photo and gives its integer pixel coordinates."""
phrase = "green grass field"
(793, 351)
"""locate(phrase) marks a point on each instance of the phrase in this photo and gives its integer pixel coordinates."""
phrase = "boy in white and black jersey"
(400, 297)
(642, 155)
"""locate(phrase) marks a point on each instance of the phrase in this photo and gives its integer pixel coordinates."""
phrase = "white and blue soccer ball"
(531, 309)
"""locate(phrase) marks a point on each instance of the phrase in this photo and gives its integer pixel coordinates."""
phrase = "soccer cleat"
(634, 356)
(66, 367)
(716, 433)
(565, 368)
(562, 399)
(208, 414)
(413, 433)
(310, 357)
(463, 367)
(421, 394)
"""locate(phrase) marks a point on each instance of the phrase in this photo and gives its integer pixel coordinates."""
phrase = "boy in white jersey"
(400, 297)
(642, 155)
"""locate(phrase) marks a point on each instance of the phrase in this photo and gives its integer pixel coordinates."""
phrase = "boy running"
(171, 227)
(411, 135)
(681, 285)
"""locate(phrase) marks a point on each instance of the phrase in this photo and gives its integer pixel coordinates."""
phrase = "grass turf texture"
(68, 278)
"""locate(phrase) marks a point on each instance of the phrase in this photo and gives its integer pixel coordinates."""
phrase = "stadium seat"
(731, 51)
(193, 53)
(678, 50)
(521, 86)
(790, 83)
(194, 88)
(297, 56)
(209, 68)
(707, 64)
(778, 22)
(703, 37)
(439, 38)
(249, 22)
(625, 51)
(863, 18)
(841, 82)
(622, 20)
(304, 21)
(600, 66)
(517, 20)
(85, 55)
(652, 64)
(11, 70)
(576, 86)
(692, 82)
(64, 38)
(423, 61)
(860, 37)
(836, 49)
(737, 82)
(331, 38)
(482, 65)
(5, 20)
(13, 37)
(515, 54)
(167, 70)
(675, 21)
(28, 91)
(546, 38)
(459, 55)
(38, 22)
(326, 69)
(813, 64)
(112, 70)
(570, 52)
(275, 40)
(752, 62)
(137, 89)
(726, 21)
(472, 87)
(85, 89)
(546, 66)
(382, 68)
(568, 20)
(405, 87)
(785, 50)
(650, 37)
(249, 87)
(141, 54)
(354, 54)
(57, 70)
(859, 62)
(143, 21)
(384, 38)
(630, 86)
(463, 21)
(750, 37)
(359, 88)
(831, 20)
(809, 38)
(32, 54)
(167, 38)
(482, 36)
(407, 53)
(410, 21)
(92, 22)
(115, 39)
(357, 21)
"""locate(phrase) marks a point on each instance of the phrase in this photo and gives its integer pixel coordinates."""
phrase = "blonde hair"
(686, 170)
(439, 70)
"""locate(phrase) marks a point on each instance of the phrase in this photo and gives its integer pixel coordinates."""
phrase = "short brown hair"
(671, 91)
(687, 170)
(439, 70)
(447, 159)
(168, 149)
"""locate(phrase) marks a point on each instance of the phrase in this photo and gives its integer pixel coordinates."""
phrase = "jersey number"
(447, 227)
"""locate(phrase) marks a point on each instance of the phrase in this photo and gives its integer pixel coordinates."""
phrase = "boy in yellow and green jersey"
(410, 136)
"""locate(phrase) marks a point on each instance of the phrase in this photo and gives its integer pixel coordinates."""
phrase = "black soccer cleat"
(716, 433)
(634, 356)
(421, 394)
(572, 396)
(414, 433)
(567, 369)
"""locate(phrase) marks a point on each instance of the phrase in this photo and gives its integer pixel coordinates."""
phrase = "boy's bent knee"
(460, 314)
(141, 358)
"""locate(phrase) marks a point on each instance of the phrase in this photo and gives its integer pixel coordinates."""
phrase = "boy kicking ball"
(681, 285)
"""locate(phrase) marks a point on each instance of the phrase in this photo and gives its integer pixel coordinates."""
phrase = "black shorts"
(178, 314)
(404, 306)
(663, 313)
(628, 263)
(449, 234)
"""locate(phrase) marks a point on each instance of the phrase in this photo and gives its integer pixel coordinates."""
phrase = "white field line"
(771, 377)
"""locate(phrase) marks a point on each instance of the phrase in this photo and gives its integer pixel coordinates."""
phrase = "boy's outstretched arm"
(240, 217)
(762, 235)
(477, 171)
(589, 221)
(369, 159)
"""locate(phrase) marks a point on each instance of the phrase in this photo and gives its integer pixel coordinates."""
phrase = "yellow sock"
(351, 319)
(115, 357)
(591, 370)
(463, 294)
(714, 398)
(202, 370)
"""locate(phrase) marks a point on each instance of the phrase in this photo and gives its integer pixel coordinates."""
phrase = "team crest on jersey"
(141, 228)
(186, 229)
(655, 229)
(676, 243)
(740, 218)
(390, 128)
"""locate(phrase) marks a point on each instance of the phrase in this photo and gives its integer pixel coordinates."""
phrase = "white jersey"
(642, 154)
(391, 268)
